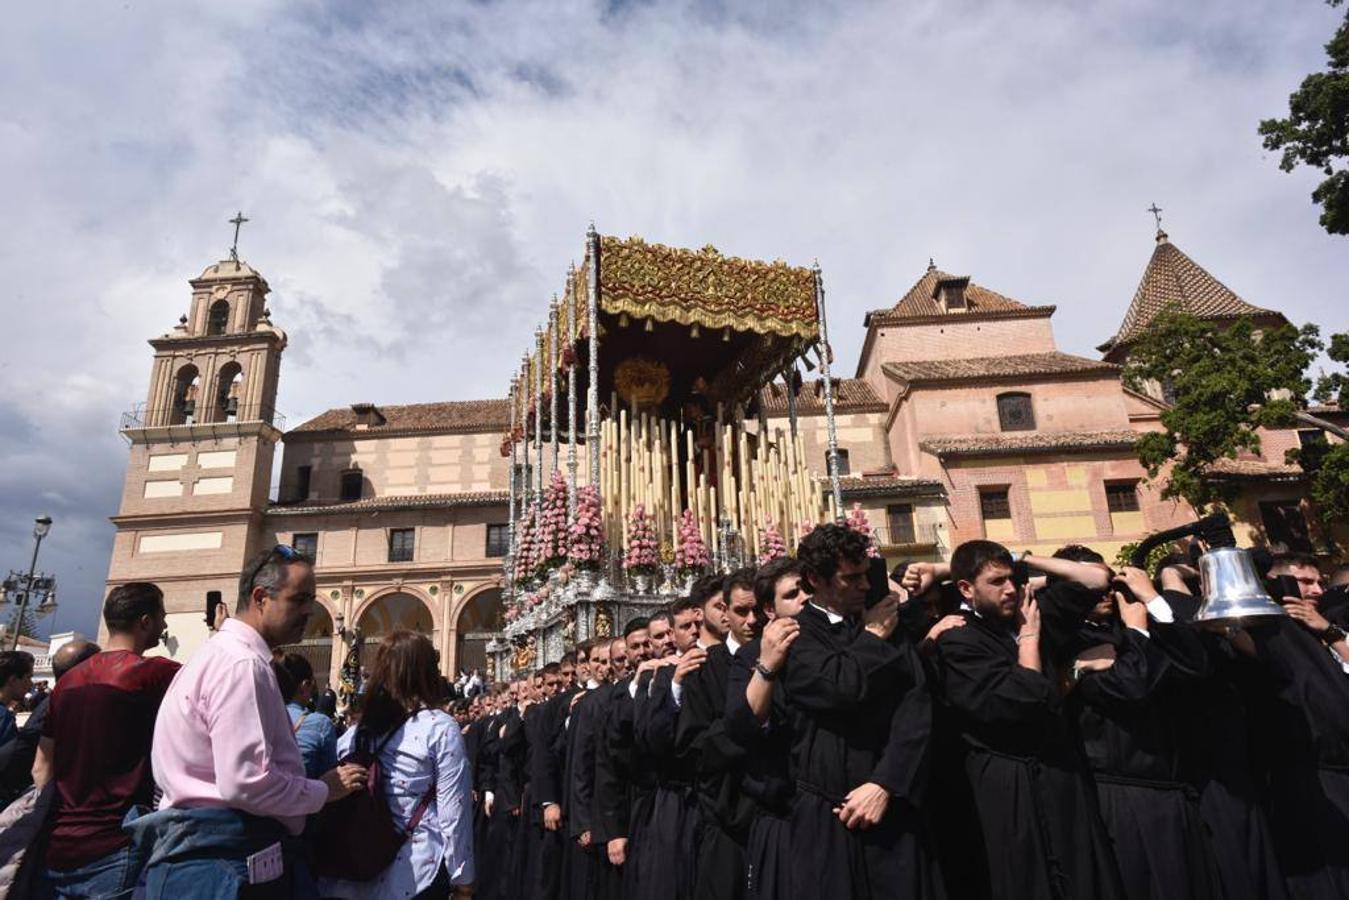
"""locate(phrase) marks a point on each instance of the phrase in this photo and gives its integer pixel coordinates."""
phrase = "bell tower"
(202, 445)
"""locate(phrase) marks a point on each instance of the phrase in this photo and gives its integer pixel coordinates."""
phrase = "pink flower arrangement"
(524, 546)
(586, 548)
(691, 558)
(642, 557)
(551, 550)
(805, 529)
(512, 612)
(771, 544)
(857, 521)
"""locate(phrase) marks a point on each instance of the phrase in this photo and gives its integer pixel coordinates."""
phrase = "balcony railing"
(920, 534)
(187, 414)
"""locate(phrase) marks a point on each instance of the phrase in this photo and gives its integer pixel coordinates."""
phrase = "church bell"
(1232, 589)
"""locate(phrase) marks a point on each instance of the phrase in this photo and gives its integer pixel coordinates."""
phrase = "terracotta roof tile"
(1173, 280)
(1028, 442)
(850, 395)
(919, 302)
(1027, 364)
(885, 486)
(451, 416)
(373, 504)
(1254, 468)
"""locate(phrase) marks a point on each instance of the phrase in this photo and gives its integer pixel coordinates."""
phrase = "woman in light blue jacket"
(424, 765)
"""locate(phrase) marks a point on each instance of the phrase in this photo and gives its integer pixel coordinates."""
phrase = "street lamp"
(26, 585)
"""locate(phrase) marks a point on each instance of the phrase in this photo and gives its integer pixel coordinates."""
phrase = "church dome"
(228, 270)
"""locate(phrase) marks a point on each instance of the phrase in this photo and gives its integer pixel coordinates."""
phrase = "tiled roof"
(919, 302)
(885, 486)
(1028, 442)
(1024, 365)
(850, 395)
(1173, 280)
(380, 504)
(451, 416)
(1254, 468)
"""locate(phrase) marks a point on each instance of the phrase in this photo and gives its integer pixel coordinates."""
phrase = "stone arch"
(228, 386)
(218, 317)
(316, 644)
(395, 607)
(186, 396)
(475, 618)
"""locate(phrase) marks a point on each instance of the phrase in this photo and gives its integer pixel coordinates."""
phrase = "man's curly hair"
(821, 551)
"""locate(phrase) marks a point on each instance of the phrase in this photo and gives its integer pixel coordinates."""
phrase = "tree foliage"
(1326, 464)
(1316, 132)
(1225, 383)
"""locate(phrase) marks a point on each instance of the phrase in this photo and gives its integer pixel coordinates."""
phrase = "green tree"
(1316, 132)
(1225, 383)
(1326, 464)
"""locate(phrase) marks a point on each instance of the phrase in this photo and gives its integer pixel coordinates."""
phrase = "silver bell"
(1232, 589)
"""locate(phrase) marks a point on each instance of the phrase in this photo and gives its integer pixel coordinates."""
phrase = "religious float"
(641, 457)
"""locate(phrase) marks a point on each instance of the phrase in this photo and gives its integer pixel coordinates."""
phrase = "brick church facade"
(964, 420)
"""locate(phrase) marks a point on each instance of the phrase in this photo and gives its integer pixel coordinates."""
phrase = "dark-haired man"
(17, 756)
(1038, 819)
(16, 680)
(96, 746)
(724, 813)
(581, 863)
(620, 787)
(235, 793)
(855, 702)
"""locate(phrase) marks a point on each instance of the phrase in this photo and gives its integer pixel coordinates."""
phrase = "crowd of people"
(999, 726)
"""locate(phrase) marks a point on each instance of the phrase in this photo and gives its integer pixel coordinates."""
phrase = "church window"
(306, 543)
(498, 540)
(1015, 412)
(218, 318)
(1121, 496)
(353, 485)
(844, 465)
(402, 544)
(899, 518)
(994, 503)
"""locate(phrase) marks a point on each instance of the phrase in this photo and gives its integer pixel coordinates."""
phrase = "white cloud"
(419, 176)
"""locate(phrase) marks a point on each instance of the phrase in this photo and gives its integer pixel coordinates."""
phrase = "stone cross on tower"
(237, 221)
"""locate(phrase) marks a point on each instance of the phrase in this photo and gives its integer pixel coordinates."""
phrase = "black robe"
(1302, 728)
(505, 778)
(1035, 803)
(540, 853)
(665, 857)
(859, 712)
(766, 780)
(580, 867)
(724, 812)
(620, 787)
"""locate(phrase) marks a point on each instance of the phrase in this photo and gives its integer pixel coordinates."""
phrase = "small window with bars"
(498, 540)
(402, 544)
(1121, 496)
(844, 464)
(994, 503)
(1015, 412)
(306, 543)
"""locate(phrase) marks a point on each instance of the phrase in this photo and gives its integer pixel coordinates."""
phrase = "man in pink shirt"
(224, 753)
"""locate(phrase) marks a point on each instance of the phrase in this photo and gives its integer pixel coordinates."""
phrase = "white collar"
(591, 684)
(967, 608)
(732, 645)
(833, 617)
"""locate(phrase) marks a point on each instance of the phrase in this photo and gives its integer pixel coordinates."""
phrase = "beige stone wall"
(861, 434)
(953, 338)
(397, 466)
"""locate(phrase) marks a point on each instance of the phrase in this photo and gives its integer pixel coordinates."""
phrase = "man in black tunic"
(666, 853)
(1034, 801)
(854, 698)
(581, 861)
(618, 782)
(503, 798)
(729, 620)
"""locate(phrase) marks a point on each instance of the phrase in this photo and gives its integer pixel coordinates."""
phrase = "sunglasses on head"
(287, 554)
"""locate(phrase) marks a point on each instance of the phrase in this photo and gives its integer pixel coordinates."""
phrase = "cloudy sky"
(419, 175)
